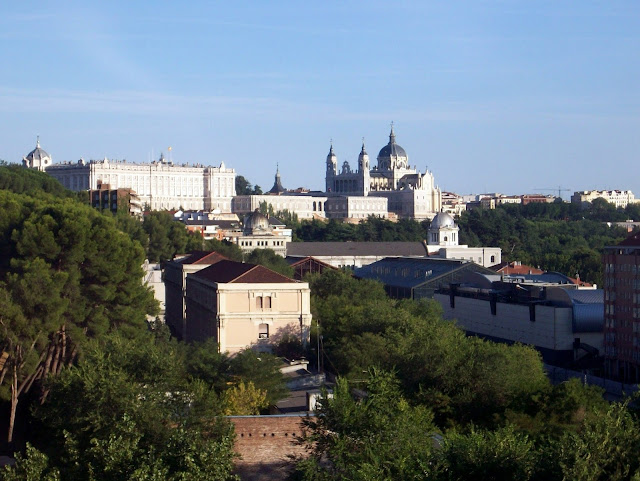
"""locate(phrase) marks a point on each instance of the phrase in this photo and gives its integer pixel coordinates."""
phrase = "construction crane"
(559, 189)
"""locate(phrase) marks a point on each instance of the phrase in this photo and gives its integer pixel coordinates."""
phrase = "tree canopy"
(66, 274)
(126, 411)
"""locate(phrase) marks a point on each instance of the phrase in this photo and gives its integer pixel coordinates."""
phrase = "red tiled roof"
(227, 271)
(202, 257)
(511, 268)
(294, 262)
(580, 282)
(631, 241)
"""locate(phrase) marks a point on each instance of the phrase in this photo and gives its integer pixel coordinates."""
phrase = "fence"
(613, 389)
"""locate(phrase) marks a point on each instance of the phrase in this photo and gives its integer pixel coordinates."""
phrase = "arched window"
(263, 331)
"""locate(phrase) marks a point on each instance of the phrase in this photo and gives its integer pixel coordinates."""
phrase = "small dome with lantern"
(38, 158)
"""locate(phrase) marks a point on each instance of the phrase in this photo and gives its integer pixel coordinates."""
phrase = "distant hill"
(20, 180)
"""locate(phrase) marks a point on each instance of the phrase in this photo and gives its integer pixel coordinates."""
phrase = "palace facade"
(160, 184)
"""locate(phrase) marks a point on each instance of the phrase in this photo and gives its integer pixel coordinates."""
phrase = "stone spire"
(277, 184)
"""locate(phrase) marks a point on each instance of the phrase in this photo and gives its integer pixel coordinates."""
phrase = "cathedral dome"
(442, 219)
(38, 158)
(38, 154)
(392, 155)
(256, 222)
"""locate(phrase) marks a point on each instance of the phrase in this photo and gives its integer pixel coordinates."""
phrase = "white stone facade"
(410, 193)
(161, 184)
(619, 198)
(356, 207)
(443, 242)
(304, 206)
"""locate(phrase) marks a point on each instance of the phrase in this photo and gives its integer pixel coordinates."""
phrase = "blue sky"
(491, 95)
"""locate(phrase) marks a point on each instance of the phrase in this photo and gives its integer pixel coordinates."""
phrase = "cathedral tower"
(332, 169)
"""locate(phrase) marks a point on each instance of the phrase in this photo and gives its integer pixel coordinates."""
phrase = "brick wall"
(265, 445)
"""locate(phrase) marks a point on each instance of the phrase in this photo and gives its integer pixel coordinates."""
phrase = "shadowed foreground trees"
(456, 407)
(369, 431)
(67, 274)
(127, 411)
(462, 379)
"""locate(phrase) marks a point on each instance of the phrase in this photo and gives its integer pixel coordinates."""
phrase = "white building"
(443, 242)
(453, 204)
(410, 193)
(304, 206)
(153, 279)
(161, 184)
(259, 232)
(563, 322)
(310, 205)
(356, 208)
(619, 198)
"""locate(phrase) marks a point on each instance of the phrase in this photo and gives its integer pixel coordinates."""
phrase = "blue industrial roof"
(587, 306)
(408, 272)
(548, 277)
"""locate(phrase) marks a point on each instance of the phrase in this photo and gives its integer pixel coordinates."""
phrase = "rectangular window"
(259, 302)
(267, 302)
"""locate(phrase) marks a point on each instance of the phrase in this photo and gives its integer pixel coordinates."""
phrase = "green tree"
(463, 379)
(262, 369)
(226, 248)
(19, 180)
(500, 455)
(604, 448)
(245, 400)
(132, 226)
(266, 209)
(69, 275)
(203, 362)
(243, 186)
(32, 466)
(268, 258)
(127, 412)
(377, 435)
(168, 237)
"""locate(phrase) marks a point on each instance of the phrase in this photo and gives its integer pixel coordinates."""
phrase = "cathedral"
(410, 193)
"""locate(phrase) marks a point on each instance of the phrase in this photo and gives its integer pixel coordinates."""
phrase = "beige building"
(175, 284)
(246, 305)
(261, 232)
